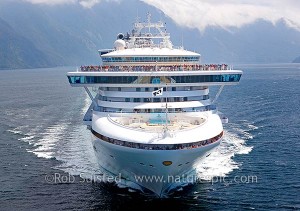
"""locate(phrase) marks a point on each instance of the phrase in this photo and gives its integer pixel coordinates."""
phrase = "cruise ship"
(151, 117)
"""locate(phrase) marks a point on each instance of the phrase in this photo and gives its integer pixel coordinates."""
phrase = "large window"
(131, 79)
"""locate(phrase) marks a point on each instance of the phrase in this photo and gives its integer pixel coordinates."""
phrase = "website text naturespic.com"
(58, 178)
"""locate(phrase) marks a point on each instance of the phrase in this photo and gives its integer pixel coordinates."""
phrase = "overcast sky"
(84, 3)
(221, 13)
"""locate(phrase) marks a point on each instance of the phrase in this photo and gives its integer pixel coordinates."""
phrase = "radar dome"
(120, 36)
(119, 44)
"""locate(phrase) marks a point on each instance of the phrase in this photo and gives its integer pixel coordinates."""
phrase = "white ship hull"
(145, 167)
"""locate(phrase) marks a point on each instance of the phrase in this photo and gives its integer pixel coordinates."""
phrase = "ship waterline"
(152, 119)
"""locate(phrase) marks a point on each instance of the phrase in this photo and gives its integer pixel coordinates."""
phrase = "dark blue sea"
(42, 136)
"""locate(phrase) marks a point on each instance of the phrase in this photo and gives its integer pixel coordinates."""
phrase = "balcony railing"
(153, 68)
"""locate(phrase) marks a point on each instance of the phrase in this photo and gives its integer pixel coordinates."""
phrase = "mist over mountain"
(17, 51)
(297, 60)
(37, 35)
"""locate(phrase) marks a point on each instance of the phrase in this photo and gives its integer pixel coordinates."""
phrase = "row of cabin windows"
(147, 89)
(162, 99)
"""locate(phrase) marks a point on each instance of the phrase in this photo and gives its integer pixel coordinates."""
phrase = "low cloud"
(51, 2)
(89, 3)
(201, 14)
(228, 14)
(84, 3)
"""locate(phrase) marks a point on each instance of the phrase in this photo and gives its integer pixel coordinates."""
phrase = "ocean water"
(42, 137)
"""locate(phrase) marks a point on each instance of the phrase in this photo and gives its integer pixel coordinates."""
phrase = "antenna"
(160, 16)
(182, 39)
(149, 19)
(137, 15)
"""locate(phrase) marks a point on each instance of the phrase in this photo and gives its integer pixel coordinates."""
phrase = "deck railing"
(181, 146)
(153, 68)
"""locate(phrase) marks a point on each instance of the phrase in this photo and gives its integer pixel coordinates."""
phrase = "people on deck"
(153, 68)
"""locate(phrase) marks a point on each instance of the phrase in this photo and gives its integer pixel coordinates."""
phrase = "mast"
(149, 21)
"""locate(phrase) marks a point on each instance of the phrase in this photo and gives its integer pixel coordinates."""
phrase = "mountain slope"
(17, 51)
(71, 35)
(297, 60)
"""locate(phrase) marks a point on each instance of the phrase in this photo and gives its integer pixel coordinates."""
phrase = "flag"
(157, 92)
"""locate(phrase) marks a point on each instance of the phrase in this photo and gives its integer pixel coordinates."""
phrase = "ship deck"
(157, 125)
